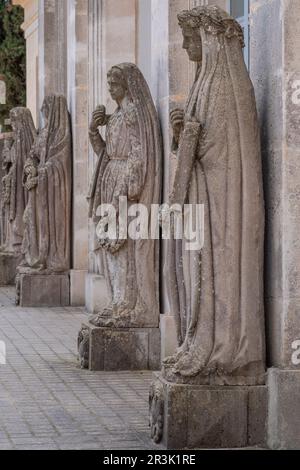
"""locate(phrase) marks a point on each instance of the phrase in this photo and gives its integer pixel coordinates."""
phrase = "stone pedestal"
(8, 268)
(284, 410)
(43, 290)
(119, 348)
(96, 297)
(190, 416)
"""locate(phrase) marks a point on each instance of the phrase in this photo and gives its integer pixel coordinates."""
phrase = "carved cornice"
(31, 25)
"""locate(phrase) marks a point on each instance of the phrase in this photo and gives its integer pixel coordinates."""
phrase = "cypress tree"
(12, 57)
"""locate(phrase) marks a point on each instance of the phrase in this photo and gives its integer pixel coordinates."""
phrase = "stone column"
(78, 75)
(95, 288)
(52, 47)
(275, 70)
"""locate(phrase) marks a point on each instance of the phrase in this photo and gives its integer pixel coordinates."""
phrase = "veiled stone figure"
(47, 178)
(15, 195)
(216, 293)
(129, 165)
(6, 196)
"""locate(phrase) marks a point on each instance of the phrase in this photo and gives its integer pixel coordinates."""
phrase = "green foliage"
(12, 57)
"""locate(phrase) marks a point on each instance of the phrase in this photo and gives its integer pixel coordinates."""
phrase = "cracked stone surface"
(48, 402)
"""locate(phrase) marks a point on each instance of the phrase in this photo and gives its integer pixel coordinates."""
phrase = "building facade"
(71, 44)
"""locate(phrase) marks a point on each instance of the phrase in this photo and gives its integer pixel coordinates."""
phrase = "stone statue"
(216, 293)
(14, 194)
(129, 165)
(6, 196)
(47, 180)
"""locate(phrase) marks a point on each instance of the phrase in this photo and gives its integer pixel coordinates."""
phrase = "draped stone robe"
(216, 293)
(47, 237)
(123, 147)
(129, 165)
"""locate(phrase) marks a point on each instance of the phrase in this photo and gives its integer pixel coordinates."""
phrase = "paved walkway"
(48, 402)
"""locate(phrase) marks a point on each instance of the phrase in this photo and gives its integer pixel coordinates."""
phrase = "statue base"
(8, 268)
(199, 416)
(38, 289)
(105, 348)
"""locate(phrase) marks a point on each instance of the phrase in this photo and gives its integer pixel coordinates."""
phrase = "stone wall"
(275, 71)
(53, 47)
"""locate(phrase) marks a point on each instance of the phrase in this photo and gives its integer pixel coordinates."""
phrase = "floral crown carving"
(214, 20)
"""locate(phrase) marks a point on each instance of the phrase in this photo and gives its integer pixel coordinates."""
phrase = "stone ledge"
(119, 348)
(191, 416)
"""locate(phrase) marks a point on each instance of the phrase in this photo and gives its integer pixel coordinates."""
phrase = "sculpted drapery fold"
(128, 165)
(47, 177)
(15, 195)
(7, 199)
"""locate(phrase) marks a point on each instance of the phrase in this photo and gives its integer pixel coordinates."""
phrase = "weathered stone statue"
(216, 293)
(129, 166)
(47, 181)
(6, 194)
(14, 195)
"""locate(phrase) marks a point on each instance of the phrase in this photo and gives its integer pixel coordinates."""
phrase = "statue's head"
(19, 117)
(191, 37)
(209, 20)
(117, 85)
(55, 116)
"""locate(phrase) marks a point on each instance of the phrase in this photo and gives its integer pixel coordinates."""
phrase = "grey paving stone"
(48, 402)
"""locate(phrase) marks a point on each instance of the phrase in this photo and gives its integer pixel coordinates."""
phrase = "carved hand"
(31, 183)
(177, 118)
(98, 118)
